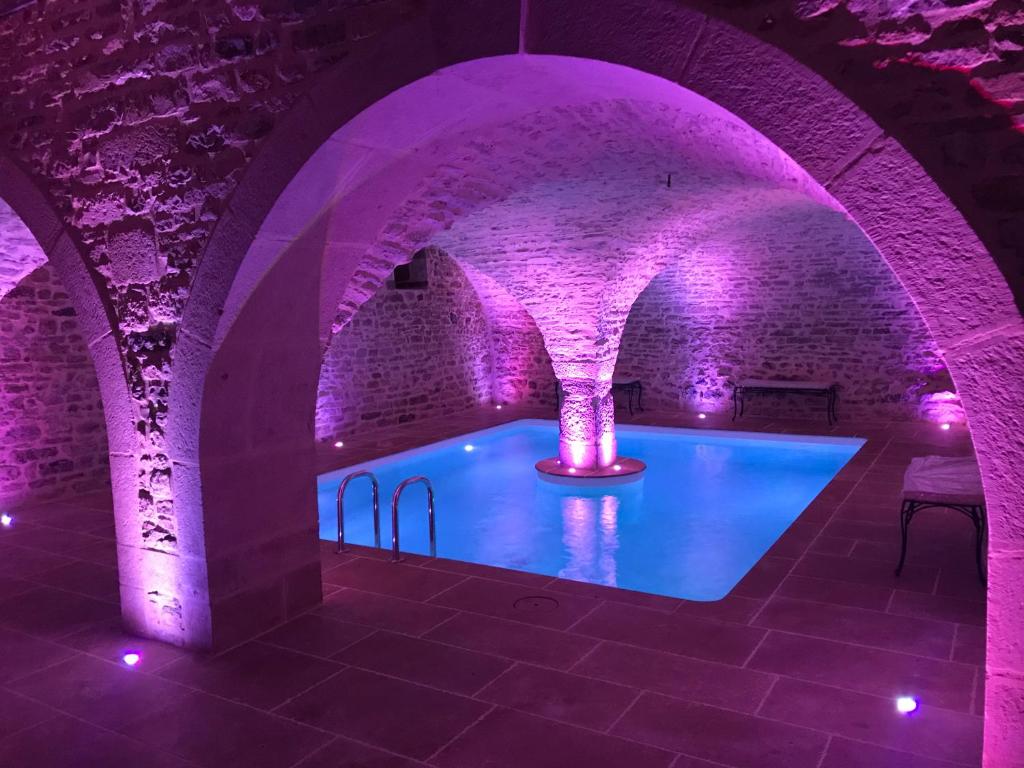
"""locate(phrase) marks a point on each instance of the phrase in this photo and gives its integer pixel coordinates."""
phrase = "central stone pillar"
(587, 424)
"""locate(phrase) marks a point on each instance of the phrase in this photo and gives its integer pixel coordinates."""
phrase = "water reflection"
(591, 538)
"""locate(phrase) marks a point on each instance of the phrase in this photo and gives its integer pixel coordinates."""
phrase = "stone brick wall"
(416, 353)
(817, 306)
(53, 440)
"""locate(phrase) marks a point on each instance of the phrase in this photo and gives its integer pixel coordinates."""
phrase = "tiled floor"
(431, 662)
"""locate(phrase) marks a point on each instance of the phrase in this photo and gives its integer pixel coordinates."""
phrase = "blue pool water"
(708, 507)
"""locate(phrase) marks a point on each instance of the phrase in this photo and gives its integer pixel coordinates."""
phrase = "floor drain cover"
(535, 604)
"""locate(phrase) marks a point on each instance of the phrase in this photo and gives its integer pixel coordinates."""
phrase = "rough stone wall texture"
(416, 353)
(20, 254)
(53, 440)
(818, 305)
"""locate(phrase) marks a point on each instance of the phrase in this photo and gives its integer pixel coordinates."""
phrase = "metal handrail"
(430, 515)
(341, 508)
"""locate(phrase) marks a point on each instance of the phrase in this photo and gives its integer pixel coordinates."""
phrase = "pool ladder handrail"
(395, 557)
(341, 508)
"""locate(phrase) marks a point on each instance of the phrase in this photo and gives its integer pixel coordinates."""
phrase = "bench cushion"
(944, 479)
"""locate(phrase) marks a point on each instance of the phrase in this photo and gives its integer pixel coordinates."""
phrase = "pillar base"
(624, 470)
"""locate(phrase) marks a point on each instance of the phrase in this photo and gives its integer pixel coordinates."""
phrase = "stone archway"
(54, 251)
(937, 257)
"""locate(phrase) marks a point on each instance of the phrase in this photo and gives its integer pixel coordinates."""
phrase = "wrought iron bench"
(748, 387)
(932, 482)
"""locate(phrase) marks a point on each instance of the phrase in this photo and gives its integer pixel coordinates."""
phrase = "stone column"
(587, 424)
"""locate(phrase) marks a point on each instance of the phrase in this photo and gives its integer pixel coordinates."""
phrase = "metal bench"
(932, 482)
(747, 387)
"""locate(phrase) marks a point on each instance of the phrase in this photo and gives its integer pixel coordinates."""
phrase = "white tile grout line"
(624, 712)
(463, 732)
(824, 752)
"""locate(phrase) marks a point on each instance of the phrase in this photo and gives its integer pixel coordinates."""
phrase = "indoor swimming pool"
(708, 507)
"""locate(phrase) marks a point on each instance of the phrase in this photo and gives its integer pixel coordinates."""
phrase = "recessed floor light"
(906, 704)
(6, 520)
(131, 658)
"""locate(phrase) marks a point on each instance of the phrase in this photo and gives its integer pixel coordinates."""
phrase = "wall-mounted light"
(945, 426)
(339, 444)
(702, 416)
(6, 520)
(617, 467)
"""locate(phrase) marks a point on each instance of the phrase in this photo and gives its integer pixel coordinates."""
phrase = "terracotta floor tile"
(22, 655)
(517, 603)
(84, 578)
(556, 695)
(18, 713)
(938, 607)
(488, 572)
(872, 628)
(867, 670)
(764, 577)
(425, 662)
(50, 613)
(67, 743)
(930, 732)
(316, 635)
(710, 640)
(24, 563)
(961, 582)
(214, 733)
(732, 608)
(627, 596)
(257, 674)
(843, 753)
(382, 612)
(402, 717)
(9, 586)
(867, 572)
(835, 592)
(832, 545)
(513, 640)
(969, 645)
(865, 531)
(109, 641)
(395, 579)
(709, 733)
(677, 676)
(342, 753)
(506, 738)
(99, 692)
(794, 540)
(45, 538)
